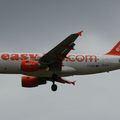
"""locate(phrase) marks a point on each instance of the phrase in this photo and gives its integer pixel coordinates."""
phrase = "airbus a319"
(38, 69)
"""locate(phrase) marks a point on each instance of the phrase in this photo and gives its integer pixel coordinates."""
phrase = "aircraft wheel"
(54, 87)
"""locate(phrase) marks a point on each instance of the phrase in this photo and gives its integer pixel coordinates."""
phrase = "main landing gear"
(54, 86)
(60, 80)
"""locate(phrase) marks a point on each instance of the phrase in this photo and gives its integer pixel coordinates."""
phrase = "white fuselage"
(72, 65)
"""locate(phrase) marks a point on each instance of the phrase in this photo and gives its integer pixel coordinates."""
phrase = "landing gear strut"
(54, 86)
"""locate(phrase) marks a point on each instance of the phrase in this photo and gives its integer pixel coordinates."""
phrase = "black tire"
(54, 87)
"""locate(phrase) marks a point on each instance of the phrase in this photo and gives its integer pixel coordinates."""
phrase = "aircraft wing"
(53, 59)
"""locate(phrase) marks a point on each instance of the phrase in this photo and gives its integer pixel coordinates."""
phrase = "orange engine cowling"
(30, 81)
(29, 65)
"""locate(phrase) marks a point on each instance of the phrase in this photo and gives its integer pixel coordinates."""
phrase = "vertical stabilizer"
(115, 50)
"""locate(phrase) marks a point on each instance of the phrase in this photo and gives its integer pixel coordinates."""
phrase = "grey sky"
(37, 26)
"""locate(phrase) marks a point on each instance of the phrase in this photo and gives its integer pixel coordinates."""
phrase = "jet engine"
(30, 81)
(29, 65)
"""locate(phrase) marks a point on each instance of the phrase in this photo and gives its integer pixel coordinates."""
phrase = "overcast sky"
(37, 26)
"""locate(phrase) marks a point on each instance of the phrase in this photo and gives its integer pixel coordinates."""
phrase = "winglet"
(79, 33)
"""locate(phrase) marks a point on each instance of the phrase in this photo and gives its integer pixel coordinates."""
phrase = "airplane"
(38, 69)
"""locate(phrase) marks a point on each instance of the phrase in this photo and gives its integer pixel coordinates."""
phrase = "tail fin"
(115, 50)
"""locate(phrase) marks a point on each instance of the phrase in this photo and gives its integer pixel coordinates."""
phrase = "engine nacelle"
(30, 81)
(29, 65)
